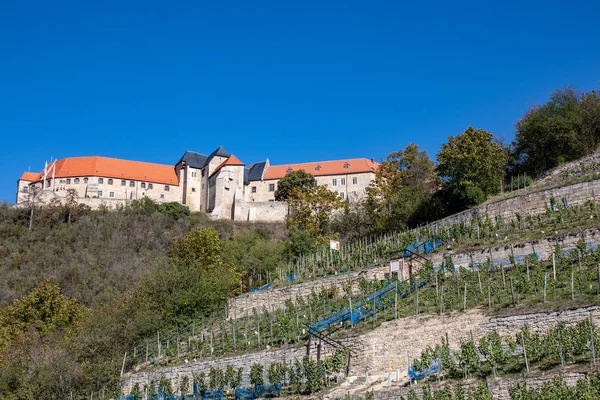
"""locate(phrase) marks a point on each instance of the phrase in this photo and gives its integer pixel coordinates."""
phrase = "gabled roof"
(193, 159)
(254, 172)
(232, 160)
(30, 176)
(219, 152)
(111, 168)
(323, 168)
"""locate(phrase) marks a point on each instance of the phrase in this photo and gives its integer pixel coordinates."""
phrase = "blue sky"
(291, 81)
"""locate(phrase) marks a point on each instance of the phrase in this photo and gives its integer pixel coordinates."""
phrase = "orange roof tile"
(322, 168)
(112, 168)
(232, 160)
(30, 176)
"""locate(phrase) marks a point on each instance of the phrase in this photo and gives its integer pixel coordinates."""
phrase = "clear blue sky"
(292, 81)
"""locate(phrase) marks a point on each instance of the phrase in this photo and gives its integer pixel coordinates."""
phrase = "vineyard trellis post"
(524, 351)
(594, 362)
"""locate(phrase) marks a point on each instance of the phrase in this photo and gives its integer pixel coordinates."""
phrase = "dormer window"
(318, 168)
(289, 170)
(347, 165)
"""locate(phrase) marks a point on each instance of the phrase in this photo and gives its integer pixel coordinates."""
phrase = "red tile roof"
(30, 176)
(232, 160)
(322, 168)
(110, 168)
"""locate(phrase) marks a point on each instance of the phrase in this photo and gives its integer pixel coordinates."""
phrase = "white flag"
(334, 245)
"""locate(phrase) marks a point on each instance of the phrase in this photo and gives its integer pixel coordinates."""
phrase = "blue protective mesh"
(434, 368)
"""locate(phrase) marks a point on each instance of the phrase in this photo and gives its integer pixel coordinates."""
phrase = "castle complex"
(219, 184)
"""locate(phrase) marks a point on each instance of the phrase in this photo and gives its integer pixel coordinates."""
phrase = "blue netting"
(264, 391)
(258, 289)
(434, 368)
(291, 276)
(359, 311)
(426, 246)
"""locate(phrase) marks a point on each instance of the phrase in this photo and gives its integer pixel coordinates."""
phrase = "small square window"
(76, 180)
(110, 181)
(131, 183)
(111, 194)
(162, 196)
(193, 190)
(85, 180)
(167, 188)
(123, 182)
(354, 180)
(271, 187)
(68, 181)
(100, 180)
(143, 185)
(343, 181)
(334, 182)
(149, 186)
(99, 193)
(253, 189)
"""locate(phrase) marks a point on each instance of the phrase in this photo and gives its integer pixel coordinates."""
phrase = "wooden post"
(503, 277)
(594, 362)
(158, 342)
(554, 266)
(524, 352)
(465, 299)
(123, 366)
(572, 286)
(350, 302)
(417, 303)
(527, 267)
(512, 290)
(396, 301)
(560, 350)
(489, 297)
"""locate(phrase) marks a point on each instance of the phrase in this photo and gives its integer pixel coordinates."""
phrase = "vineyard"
(567, 277)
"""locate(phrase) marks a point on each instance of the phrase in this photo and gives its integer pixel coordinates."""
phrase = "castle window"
(271, 187)
(68, 181)
(162, 196)
(99, 193)
(318, 167)
(289, 170)
(334, 182)
(85, 180)
(167, 188)
(111, 194)
(100, 180)
(354, 180)
(343, 181)
(131, 183)
(149, 186)
(123, 182)
(253, 189)
(110, 181)
(346, 165)
(76, 180)
(193, 190)
(342, 195)
(143, 185)
(203, 172)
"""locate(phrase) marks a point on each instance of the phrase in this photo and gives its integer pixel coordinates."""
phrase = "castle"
(219, 184)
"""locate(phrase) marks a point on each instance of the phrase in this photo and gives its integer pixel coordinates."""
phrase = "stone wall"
(258, 210)
(528, 204)
(275, 298)
(194, 368)
(387, 348)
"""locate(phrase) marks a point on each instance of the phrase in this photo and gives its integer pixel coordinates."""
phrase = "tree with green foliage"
(403, 182)
(196, 281)
(293, 183)
(257, 374)
(254, 254)
(472, 159)
(567, 127)
(311, 210)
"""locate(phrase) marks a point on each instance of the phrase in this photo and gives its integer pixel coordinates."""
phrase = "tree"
(293, 183)
(405, 180)
(472, 159)
(33, 195)
(71, 203)
(311, 210)
(567, 127)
